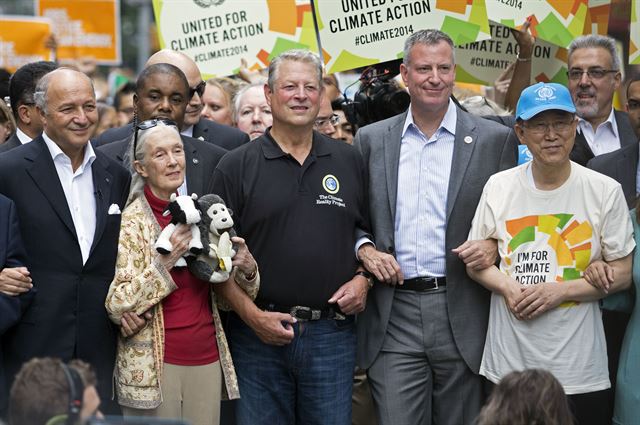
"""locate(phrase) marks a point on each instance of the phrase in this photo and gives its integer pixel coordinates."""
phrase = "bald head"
(66, 102)
(59, 78)
(179, 59)
(191, 71)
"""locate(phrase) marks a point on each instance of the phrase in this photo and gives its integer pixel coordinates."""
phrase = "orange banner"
(85, 29)
(22, 40)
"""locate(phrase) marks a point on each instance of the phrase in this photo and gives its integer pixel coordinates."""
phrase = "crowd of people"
(408, 270)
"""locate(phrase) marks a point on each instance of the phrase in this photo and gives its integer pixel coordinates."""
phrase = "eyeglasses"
(197, 89)
(146, 125)
(542, 127)
(333, 120)
(593, 73)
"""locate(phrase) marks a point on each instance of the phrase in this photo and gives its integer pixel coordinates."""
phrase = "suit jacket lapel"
(199, 130)
(625, 131)
(44, 174)
(462, 151)
(392, 141)
(102, 180)
(194, 172)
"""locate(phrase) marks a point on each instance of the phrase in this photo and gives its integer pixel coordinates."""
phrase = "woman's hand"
(599, 275)
(180, 241)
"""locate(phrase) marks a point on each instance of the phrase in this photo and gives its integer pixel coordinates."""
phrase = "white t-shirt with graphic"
(551, 236)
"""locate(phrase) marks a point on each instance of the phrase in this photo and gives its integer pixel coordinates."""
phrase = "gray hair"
(428, 37)
(238, 97)
(597, 41)
(137, 181)
(40, 95)
(296, 55)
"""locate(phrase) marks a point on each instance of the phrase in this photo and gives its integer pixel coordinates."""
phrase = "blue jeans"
(308, 381)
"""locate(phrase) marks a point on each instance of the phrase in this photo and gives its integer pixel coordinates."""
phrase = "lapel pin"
(107, 179)
(195, 160)
(468, 139)
(201, 138)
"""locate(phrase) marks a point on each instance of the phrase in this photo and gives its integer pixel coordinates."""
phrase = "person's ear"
(24, 114)
(140, 169)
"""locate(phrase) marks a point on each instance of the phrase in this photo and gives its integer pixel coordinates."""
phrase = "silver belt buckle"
(435, 280)
(304, 313)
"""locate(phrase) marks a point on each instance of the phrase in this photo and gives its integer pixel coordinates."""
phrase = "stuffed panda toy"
(183, 209)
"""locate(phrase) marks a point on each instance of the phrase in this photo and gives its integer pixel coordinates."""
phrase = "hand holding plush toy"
(183, 209)
(216, 229)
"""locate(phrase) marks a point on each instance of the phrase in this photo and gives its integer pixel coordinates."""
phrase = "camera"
(379, 96)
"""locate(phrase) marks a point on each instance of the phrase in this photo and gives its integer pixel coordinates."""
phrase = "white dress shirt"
(182, 190)
(79, 192)
(421, 206)
(605, 139)
(22, 136)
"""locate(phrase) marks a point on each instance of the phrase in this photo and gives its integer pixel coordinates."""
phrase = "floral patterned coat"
(141, 283)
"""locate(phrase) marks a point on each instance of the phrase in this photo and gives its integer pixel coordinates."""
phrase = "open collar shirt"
(79, 192)
(421, 207)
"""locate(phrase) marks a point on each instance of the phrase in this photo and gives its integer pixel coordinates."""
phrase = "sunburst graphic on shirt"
(567, 237)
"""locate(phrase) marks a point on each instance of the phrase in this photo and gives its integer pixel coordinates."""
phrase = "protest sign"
(22, 40)
(217, 34)
(355, 33)
(85, 28)
(556, 21)
(482, 62)
(597, 21)
(634, 34)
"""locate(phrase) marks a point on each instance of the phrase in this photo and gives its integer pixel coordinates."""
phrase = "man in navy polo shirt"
(297, 198)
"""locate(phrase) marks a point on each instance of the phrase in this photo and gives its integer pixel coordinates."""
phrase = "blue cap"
(543, 97)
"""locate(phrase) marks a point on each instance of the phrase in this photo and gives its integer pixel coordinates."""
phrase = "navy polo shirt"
(299, 221)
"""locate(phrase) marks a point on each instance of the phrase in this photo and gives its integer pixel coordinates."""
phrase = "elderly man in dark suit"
(21, 87)
(199, 128)
(68, 198)
(162, 91)
(15, 279)
(422, 333)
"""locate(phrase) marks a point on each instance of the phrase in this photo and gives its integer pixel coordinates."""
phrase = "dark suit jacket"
(201, 159)
(67, 319)
(224, 136)
(582, 153)
(11, 255)
(492, 149)
(12, 142)
(622, 166)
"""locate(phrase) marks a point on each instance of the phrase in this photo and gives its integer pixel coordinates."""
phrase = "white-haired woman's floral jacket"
(141, 283)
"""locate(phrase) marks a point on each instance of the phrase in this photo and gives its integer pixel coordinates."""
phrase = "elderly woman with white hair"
(177, 364)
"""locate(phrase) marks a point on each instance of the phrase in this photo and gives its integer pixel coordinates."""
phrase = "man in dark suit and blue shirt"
(194, 126)
(68, 198)
(422, 333)
(162, 92)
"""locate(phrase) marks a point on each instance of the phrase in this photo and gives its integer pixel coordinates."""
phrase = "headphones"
(76, 393)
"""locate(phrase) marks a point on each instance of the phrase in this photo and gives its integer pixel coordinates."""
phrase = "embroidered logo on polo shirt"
(331, 184)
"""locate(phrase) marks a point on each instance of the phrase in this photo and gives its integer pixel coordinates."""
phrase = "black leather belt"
(423, 284)
(301, 312)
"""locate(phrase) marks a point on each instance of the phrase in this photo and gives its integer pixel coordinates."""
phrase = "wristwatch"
(367, 276)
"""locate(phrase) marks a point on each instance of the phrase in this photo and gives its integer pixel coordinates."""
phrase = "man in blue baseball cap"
(552, 219)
